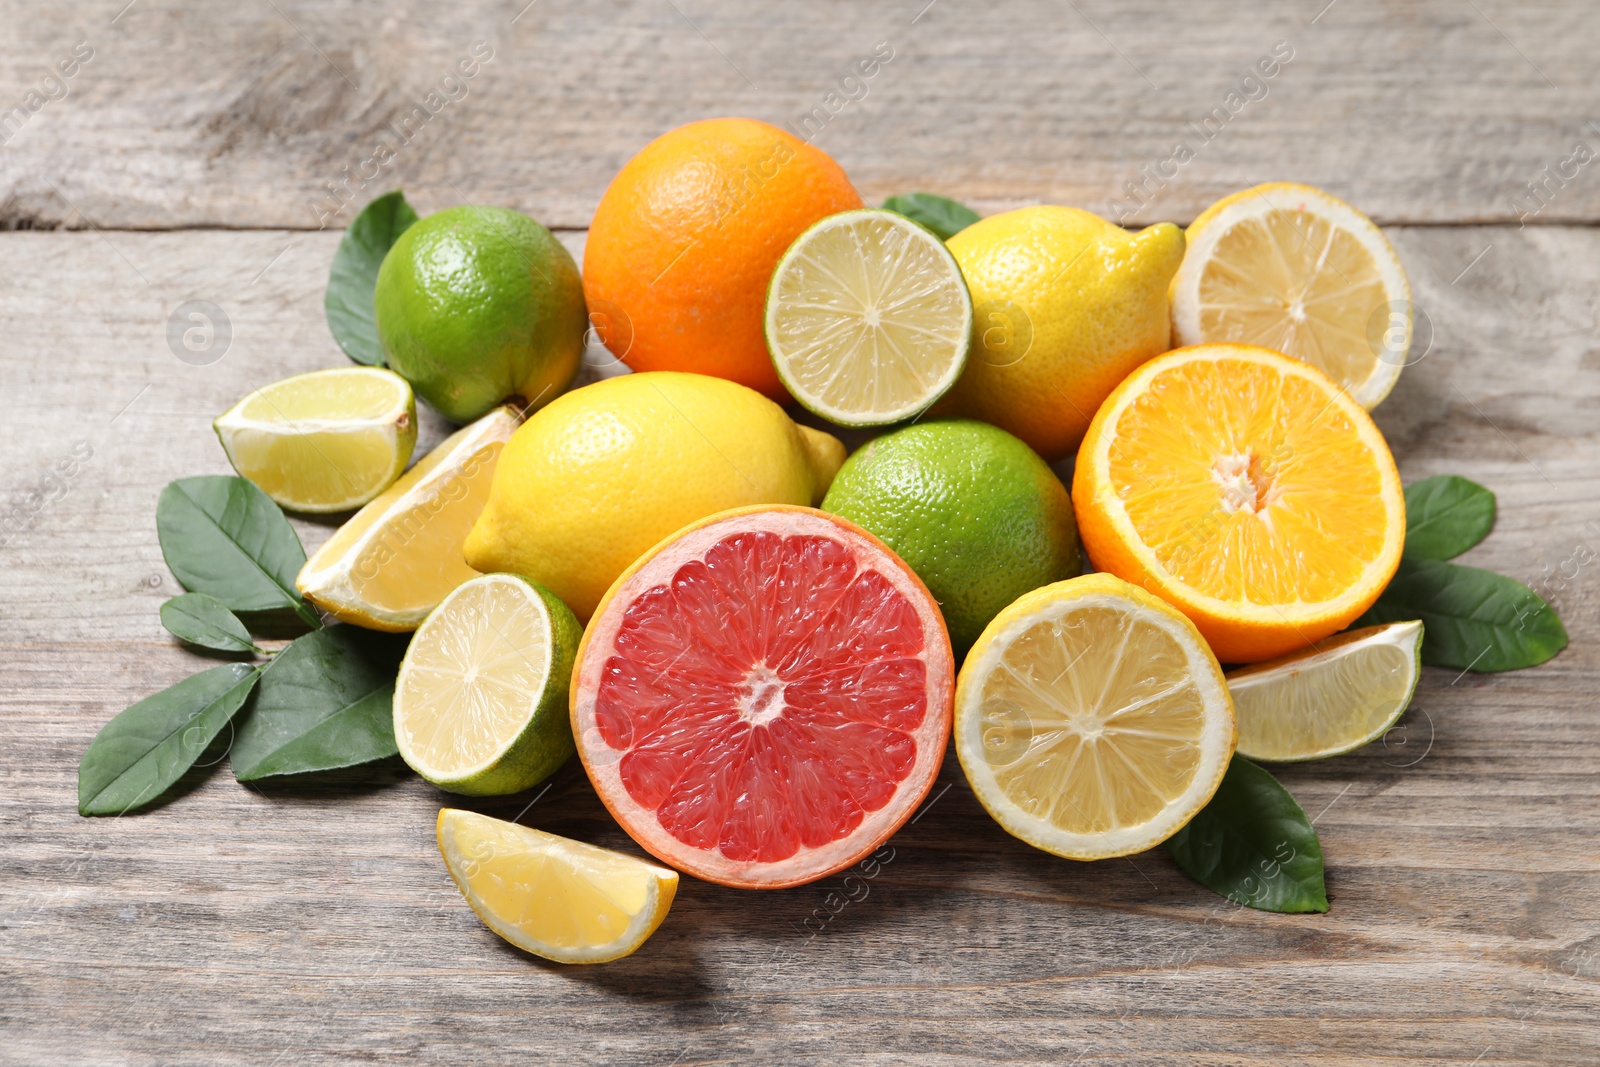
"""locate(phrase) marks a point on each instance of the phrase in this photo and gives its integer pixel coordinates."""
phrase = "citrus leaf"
(1445, 516)
(1472, 619)
(223, 537)
(139, 754)
(940, 214)
(325, 701)
(354, 276)
(206, 621)
(1253, 844)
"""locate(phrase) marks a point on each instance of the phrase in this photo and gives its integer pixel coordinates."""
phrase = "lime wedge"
(480, 704)
(868, 318)
(330, 440)
(560, 899)
(1339, 694)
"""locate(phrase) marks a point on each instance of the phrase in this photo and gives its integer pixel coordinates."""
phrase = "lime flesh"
(868, 318)
(1343, 692)
(480, 704)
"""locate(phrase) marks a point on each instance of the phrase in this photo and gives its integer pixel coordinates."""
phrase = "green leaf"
(354, 276)
(1445, 516)
(206, 621)
(1253, 845)
(940, 214)
(1472, 619)
(326, 701)
(139, 754)
(224, 537)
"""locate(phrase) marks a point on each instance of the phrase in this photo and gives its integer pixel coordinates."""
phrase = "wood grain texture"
(219, 114)
(312, 922)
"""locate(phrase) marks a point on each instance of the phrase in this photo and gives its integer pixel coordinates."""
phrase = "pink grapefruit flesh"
(764, 697)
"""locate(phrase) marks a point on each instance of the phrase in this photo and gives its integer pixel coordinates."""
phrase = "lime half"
(1341, 693)
(868, 318)
(480, 705)
(330, 440)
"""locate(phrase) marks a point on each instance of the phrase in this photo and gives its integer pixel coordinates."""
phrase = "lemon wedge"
(1092, 720)
(330, 440)
(1290, 268)
(1343, 692)
(557, 898)
(868, 318)
(399, 556)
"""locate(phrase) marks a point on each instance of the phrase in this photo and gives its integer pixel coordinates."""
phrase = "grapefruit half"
(764, 697)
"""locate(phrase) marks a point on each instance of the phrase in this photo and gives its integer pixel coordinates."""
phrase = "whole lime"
(974, 511)
(476, 304)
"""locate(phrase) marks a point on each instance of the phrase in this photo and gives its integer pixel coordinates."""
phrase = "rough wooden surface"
(238, 115)
(312, 922)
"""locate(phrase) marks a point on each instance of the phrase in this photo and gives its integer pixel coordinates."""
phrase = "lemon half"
(1290, 268)
(1092, 720)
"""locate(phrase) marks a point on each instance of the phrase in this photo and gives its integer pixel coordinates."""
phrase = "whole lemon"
(1065, 305)
(974, 511)
(685, 239)
(476, 304)
(603, 473)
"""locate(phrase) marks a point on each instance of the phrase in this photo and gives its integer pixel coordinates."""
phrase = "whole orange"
(684, 241)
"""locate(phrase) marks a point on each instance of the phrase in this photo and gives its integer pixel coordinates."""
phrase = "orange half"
(1248, 490)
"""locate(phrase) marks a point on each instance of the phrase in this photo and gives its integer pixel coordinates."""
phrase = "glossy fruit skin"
(974, 511)
(476, 304)
(606, 471)
(685, 240)
(1065, 305)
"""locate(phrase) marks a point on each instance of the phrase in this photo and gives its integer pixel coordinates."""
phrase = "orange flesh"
(1248, 484)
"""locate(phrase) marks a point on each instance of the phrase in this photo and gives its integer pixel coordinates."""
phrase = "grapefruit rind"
(656, 568)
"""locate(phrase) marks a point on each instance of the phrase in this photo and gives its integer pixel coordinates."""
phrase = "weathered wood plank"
(222, 114)
(313, 922)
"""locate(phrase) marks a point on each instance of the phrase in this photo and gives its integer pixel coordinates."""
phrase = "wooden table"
(190, 158)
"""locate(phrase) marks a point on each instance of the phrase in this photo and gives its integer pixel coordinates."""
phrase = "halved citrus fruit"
(480, 703)
(1339, 694)
(868, 319)
(1290, 268)
(1248, 490)
(399, 556)
(328, 440)
(1092, 720)
(557, 898)
(764, 697)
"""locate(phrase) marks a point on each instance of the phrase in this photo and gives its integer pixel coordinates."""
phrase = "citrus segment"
(1248, 490)
(1341, 693)
(480, 700)
(560, 899)
(1290, 268)
(868, 320)
(324, 441)
(765, 697)
(400, 555)
(1092, 720)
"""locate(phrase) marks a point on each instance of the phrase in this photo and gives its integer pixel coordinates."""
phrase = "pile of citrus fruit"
(759, 645)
